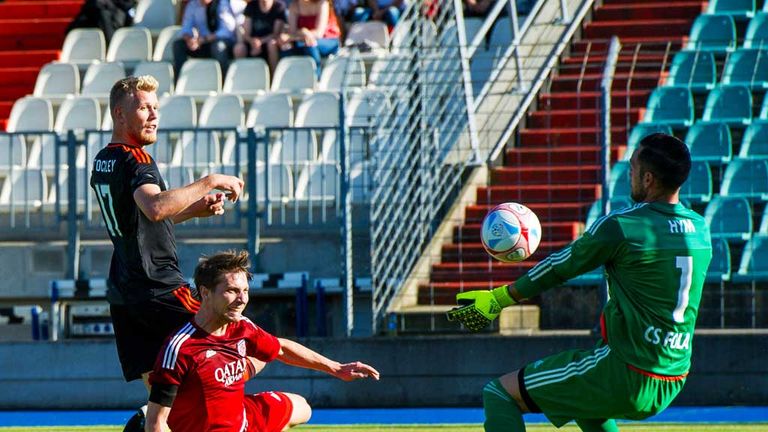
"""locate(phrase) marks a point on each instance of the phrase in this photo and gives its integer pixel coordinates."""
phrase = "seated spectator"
(477, 8)
(208, 30)
(264, 22)
(108, 15)
(348, 11)
(312, 30)
(388, 11)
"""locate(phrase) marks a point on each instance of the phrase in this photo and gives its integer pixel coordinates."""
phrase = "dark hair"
(210, 269)
(667, 158)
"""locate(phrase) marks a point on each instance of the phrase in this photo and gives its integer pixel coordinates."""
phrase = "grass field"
(645, 427)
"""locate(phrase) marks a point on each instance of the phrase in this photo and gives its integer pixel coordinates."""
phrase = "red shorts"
(268, 411)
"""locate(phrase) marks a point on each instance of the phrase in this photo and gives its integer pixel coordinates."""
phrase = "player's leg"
(301, 411)
(502, 410)
(594, 425)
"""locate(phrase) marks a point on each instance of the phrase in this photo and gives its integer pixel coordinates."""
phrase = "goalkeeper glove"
(477, 309)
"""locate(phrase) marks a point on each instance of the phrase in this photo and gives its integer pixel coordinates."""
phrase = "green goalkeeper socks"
(501, 411)
(598, 425)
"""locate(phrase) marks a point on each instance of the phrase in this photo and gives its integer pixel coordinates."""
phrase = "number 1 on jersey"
(106, 203)
(685, 264)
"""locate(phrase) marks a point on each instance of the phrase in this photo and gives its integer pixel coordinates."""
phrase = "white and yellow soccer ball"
(511, 232)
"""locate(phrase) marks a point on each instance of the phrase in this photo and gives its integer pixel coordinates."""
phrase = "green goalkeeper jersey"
(656, 257)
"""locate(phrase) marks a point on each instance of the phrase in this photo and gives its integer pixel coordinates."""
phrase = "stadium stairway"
(556, 168)
(31, 35)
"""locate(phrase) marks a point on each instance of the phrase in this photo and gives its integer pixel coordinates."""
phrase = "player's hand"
(231, 184)
(214, 203)
(356, 370)
(477, 309)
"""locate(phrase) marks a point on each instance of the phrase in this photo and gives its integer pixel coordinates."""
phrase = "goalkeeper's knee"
(501, 410)
(593, 425)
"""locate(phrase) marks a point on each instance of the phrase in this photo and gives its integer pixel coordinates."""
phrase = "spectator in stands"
(108, 15)
(148, 295)
(348, 11)
(208, 30)
(312, 30)
(477, 8)
(198, 383)
(264, 22)
(388, 11)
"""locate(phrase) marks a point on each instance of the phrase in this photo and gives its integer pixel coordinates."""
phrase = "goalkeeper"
(656, 255)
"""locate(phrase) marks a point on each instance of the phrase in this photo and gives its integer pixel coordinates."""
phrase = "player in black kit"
(147, 293)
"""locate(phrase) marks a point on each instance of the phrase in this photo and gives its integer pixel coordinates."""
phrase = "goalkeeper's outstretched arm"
(477, 309)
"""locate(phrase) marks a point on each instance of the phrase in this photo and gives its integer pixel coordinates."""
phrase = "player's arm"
(598, 244)
(188, 201)
(157, 418)
(295, 354)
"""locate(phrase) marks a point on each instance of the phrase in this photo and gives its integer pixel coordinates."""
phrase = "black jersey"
(144, 262)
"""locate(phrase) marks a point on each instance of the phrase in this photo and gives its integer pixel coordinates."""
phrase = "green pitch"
(646, 427)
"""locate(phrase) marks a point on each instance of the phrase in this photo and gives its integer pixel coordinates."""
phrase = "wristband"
(501, 294)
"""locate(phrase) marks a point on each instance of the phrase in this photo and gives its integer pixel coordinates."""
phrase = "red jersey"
(209, 372)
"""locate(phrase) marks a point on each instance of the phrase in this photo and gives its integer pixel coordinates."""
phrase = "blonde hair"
(130, 85)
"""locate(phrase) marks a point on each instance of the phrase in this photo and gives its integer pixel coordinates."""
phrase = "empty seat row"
(697, 69)
(201, 77)
(730, 104)
(744, 178)
(716, 33)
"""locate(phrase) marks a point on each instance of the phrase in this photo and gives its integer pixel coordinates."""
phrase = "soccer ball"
(511, 232)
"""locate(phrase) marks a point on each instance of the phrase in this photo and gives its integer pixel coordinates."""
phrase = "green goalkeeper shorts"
(594, 384)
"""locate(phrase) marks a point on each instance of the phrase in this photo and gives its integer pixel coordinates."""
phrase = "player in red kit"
(198, 383)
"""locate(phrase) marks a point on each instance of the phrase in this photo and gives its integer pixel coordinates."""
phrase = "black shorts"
(141, 329)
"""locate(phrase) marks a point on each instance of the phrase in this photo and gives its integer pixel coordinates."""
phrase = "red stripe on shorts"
(657, 376)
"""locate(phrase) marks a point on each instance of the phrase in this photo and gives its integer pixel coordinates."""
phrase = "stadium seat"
(729, 218)
(280, 182)
(729, 104)
(106, 119)
(164, 45)
(199, 78)
(318, 182)
(60, 191)
(31, 114)
(757, 32)
(155, 15)
(295, 75)
(162, 71)
(595, 210)
(738, 9)
(57, 81)
(715, 33)
(747, 178)
(406, 30)
(24, 189)
(247, 78)
(720, 267)
(710, 142)
(224, 111)
(372, 33)
(84, 46)
(271, 110)
(754, 143)
(361, 113)
(693, 69)
(698, 187)
(747, 67)
(763, 229)
(100, 78)
(754, 261)
(342, 72)
(130, 45)
(640, 131)
(361, 182)
(79, 114)
(300, 146)
(671, 106)
(176, 112)
(176, 176)
(619, 186)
